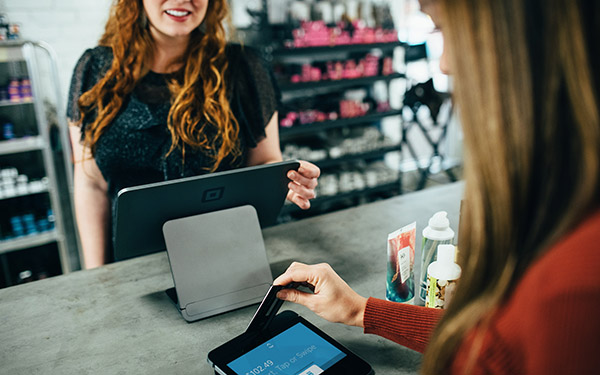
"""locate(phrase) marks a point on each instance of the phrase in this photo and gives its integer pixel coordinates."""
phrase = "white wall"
(69, 26)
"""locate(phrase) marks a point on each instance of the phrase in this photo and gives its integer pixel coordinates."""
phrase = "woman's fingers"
(299, 201)
(303, 184)
(302, 190)
(296, 272)
(332, 299)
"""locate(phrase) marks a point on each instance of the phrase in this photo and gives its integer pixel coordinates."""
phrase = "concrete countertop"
(117, 319)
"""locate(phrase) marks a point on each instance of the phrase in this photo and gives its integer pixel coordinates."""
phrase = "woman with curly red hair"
(164, 96)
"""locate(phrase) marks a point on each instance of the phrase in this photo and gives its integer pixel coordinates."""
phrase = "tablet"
(289, 346)
(142, 210)
(284, 344)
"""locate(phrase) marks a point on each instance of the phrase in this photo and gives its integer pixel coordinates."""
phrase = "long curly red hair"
(200, 114)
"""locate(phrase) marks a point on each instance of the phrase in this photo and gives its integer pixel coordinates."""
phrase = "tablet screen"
(296, 351)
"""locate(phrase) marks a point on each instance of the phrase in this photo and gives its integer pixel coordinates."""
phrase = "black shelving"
(306, 129)
(310, 136)
(348, 48)
(320, 201)
(326, 163)
(338, 84)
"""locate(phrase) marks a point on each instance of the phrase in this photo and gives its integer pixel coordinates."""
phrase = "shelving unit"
(340, 84)
(36, 240)
(378, 153)
(304, 51)
(322, 130)
(351, 195)
(307, 129)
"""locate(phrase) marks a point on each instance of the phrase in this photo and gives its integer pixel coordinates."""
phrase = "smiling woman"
(164, 96)
(174, 19)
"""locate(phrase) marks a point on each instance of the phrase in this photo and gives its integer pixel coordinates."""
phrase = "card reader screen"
(296, 351)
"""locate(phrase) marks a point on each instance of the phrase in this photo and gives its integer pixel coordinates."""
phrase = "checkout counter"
(117, 319)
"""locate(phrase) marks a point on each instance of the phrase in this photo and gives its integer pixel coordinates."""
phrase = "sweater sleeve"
(405, 324)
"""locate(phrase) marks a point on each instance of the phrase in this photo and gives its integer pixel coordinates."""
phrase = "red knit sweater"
(550, 324)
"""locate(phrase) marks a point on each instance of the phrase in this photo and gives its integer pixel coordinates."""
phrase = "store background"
(72, 26)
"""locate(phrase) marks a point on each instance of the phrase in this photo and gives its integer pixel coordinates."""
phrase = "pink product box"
(317, 34)
(306, 117)
(383, 106)
(351, 108)
(388, 66)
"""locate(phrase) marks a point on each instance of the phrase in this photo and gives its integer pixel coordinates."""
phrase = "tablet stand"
(218, 262)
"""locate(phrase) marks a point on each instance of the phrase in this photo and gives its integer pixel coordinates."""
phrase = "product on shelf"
(292, 151)
(335, 70)
(25, 90)
(367, 140)
(347, 109)
(8, 31)
(13, 184)
(27, 224)
(14, 94)
(370, 176)
(8, 131)
(30, 196)
(318, 34)
(25, 277)
(17, 90)
(349, 146)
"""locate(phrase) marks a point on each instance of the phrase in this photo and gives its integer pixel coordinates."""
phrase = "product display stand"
(335, 71)
(218, 262)
(34, 239)
(339, 161)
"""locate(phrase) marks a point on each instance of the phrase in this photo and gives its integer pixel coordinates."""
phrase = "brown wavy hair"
(200, 115)
(526, 82)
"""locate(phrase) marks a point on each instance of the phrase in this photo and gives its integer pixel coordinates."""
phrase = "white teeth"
(177, 13)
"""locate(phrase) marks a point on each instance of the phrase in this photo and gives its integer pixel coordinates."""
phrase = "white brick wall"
(69, 26)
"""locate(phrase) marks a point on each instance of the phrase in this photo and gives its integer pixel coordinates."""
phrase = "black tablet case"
(266, 323)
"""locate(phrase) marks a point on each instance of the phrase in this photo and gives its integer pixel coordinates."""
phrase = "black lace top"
(132, 150)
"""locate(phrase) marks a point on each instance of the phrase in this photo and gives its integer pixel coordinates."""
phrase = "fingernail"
(281, 294)
(293, 175)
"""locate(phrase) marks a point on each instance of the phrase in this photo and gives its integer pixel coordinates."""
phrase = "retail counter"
(117, 319)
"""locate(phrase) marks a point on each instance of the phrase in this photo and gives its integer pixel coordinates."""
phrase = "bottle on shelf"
(14, 94)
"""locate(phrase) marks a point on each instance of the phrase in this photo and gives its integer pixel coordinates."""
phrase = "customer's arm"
(333, 300)
(304, 181)
(92, 207)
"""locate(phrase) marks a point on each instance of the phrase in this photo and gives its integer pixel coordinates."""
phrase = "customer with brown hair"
(527, 84)
(164, 96)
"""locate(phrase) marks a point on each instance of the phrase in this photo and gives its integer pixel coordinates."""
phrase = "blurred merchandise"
(8, 31)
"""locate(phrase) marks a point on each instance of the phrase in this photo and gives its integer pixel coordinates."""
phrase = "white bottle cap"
(439, 221)
(445, 253)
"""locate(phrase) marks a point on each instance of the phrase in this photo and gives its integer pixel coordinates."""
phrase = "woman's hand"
(332, 299)
(303, 184)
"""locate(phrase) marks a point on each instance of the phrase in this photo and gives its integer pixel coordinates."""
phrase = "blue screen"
(296, 351)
